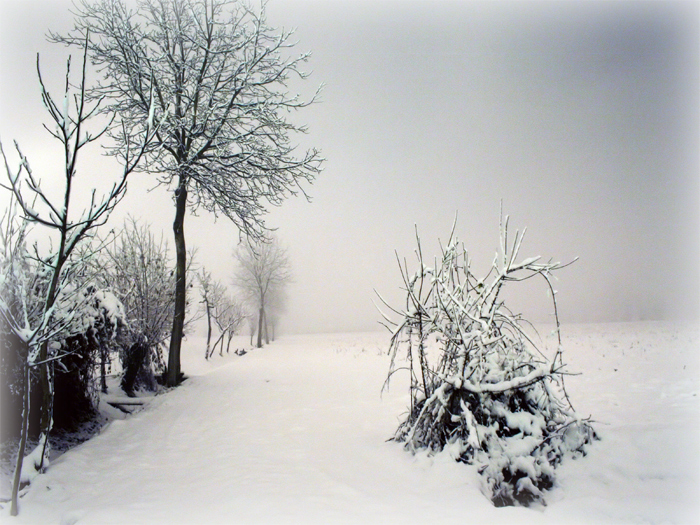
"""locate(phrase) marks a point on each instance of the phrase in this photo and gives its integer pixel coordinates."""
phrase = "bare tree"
(223, 73)
(224, 311)
(229, 316)
(36, 326)
(252, 325)
(212, 293)
(137, 267)
(276, 306)
(206, 290)
(261, 273)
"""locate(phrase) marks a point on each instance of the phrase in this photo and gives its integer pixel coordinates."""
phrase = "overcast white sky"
(582, 117)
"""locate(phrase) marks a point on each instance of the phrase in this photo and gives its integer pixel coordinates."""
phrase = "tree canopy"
(218, 76)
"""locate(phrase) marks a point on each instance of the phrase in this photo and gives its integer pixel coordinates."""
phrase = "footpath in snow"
(297, 432)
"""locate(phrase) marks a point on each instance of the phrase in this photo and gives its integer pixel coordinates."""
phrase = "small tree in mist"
(229, 315)
(211, 293)
(480, 386)
(262, 271)
(219, 74)
(220, 310)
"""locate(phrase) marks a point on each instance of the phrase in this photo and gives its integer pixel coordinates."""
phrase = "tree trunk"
(267, 335)
(26, 391)
(103, 369)
(136, 356)
(207, 353)
(220, 341)
(47, 386)
(261, 315)
(173, 376)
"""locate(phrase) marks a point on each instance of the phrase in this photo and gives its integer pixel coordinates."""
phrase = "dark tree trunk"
(173, 376)
(136, 356)
(46, 367)
(47, 384)
(103, 369)
(219, 341)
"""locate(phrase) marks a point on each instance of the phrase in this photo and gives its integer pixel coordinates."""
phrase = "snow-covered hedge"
(480, 386)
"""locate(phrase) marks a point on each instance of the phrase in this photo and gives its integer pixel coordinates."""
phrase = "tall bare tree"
(261, 272)
(36, 326)
(222, 72)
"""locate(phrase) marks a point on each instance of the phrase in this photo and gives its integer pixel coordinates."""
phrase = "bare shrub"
(491, 396)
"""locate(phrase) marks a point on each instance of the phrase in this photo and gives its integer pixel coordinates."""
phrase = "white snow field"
(296, 433)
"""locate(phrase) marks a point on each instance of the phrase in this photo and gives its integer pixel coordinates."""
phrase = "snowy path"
(295, 433)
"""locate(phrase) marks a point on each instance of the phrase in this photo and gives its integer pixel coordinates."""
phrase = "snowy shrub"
(84, 322)
(490, 396)
(88, 348)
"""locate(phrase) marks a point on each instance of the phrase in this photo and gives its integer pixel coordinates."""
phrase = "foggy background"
(582, 118)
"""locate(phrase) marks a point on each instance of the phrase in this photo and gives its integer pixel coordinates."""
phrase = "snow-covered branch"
(478, 381)
(50, 306)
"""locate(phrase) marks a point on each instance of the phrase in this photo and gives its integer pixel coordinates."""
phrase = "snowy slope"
(296, 433)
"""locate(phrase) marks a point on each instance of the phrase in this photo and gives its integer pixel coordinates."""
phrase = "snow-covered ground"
(296, 433)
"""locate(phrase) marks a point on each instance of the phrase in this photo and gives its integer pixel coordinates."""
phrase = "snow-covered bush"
(137, 267)
(490, 396)
(86, 321)
(87, 355)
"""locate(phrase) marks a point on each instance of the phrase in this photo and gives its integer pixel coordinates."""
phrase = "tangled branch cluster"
(480, 386)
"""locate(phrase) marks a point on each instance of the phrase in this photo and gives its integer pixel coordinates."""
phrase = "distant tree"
(221, 309)
(261, 273)
(276, 307)
(229, 315)
(222, 74)
(36, 318)
(212, 293)
(252, 325)
(207, 293)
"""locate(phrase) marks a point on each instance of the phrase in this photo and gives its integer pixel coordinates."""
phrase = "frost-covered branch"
(216, 76)
(53, 299)
(478, 382)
